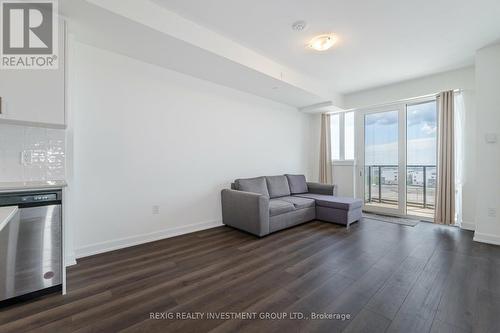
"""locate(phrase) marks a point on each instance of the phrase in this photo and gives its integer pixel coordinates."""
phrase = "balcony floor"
(424, 213)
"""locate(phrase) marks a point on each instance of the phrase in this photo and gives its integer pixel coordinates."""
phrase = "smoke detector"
(299, 25)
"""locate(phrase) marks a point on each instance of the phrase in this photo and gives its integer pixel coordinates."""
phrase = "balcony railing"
(381, 185)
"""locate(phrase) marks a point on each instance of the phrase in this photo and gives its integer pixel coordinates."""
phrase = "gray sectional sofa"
(263, 205)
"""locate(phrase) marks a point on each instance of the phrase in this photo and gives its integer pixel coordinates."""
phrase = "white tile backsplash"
(31, 153)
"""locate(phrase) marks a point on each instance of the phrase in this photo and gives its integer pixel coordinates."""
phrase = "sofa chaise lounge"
(263, 205)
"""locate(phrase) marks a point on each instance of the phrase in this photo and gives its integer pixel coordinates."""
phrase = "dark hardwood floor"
(386, 277)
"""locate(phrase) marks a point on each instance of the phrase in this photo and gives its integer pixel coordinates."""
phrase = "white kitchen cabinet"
(35, 96)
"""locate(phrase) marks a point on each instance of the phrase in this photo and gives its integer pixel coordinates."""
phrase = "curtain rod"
(392, 103)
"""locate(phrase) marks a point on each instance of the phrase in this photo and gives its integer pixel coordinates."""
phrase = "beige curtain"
(325, 152)
(445, 194)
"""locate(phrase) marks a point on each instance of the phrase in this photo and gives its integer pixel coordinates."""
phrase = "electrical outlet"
(491, 138)
(492, 212)
(155, 210)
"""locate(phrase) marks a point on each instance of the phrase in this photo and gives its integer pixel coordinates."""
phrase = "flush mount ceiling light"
(322, 42)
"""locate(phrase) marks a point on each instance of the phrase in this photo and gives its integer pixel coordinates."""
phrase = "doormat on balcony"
(391, 219)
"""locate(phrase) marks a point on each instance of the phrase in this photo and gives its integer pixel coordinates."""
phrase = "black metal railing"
(382, 185)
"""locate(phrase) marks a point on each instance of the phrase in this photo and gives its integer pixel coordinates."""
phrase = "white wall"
(143, 136)
(461, 78)
(343, 177)
(488, 154)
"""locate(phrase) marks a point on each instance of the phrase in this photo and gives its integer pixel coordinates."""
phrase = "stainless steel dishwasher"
(31, 245)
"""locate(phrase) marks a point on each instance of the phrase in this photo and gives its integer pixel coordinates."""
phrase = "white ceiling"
(381, 41)
(151, 34)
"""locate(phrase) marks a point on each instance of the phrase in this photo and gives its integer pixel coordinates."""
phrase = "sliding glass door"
(397, 159)
(382, 155)
(421, 171)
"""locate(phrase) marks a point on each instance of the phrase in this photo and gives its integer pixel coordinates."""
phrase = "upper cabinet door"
(35, 96)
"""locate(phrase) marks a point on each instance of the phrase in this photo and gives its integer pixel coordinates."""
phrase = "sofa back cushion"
(298, 184)
(277, 186)
(255, 185)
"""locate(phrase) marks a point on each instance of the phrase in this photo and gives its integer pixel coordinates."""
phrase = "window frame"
(342, 159)
(331, 136)
(353, 138)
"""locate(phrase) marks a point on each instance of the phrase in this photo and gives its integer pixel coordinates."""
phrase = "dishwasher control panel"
(35, 198)
(43, 197)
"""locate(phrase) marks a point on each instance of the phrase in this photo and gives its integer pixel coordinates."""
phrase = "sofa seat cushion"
(343, 203)
(278, 207)
(255, 185)
(277, 186)
(299, 203)
(297, 184)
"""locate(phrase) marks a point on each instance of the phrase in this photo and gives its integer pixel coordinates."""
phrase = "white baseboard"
(486, 238)
(468, 226)
(121, 243)
(70, 259)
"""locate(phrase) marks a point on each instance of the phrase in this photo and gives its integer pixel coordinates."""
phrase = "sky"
(381, 136)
